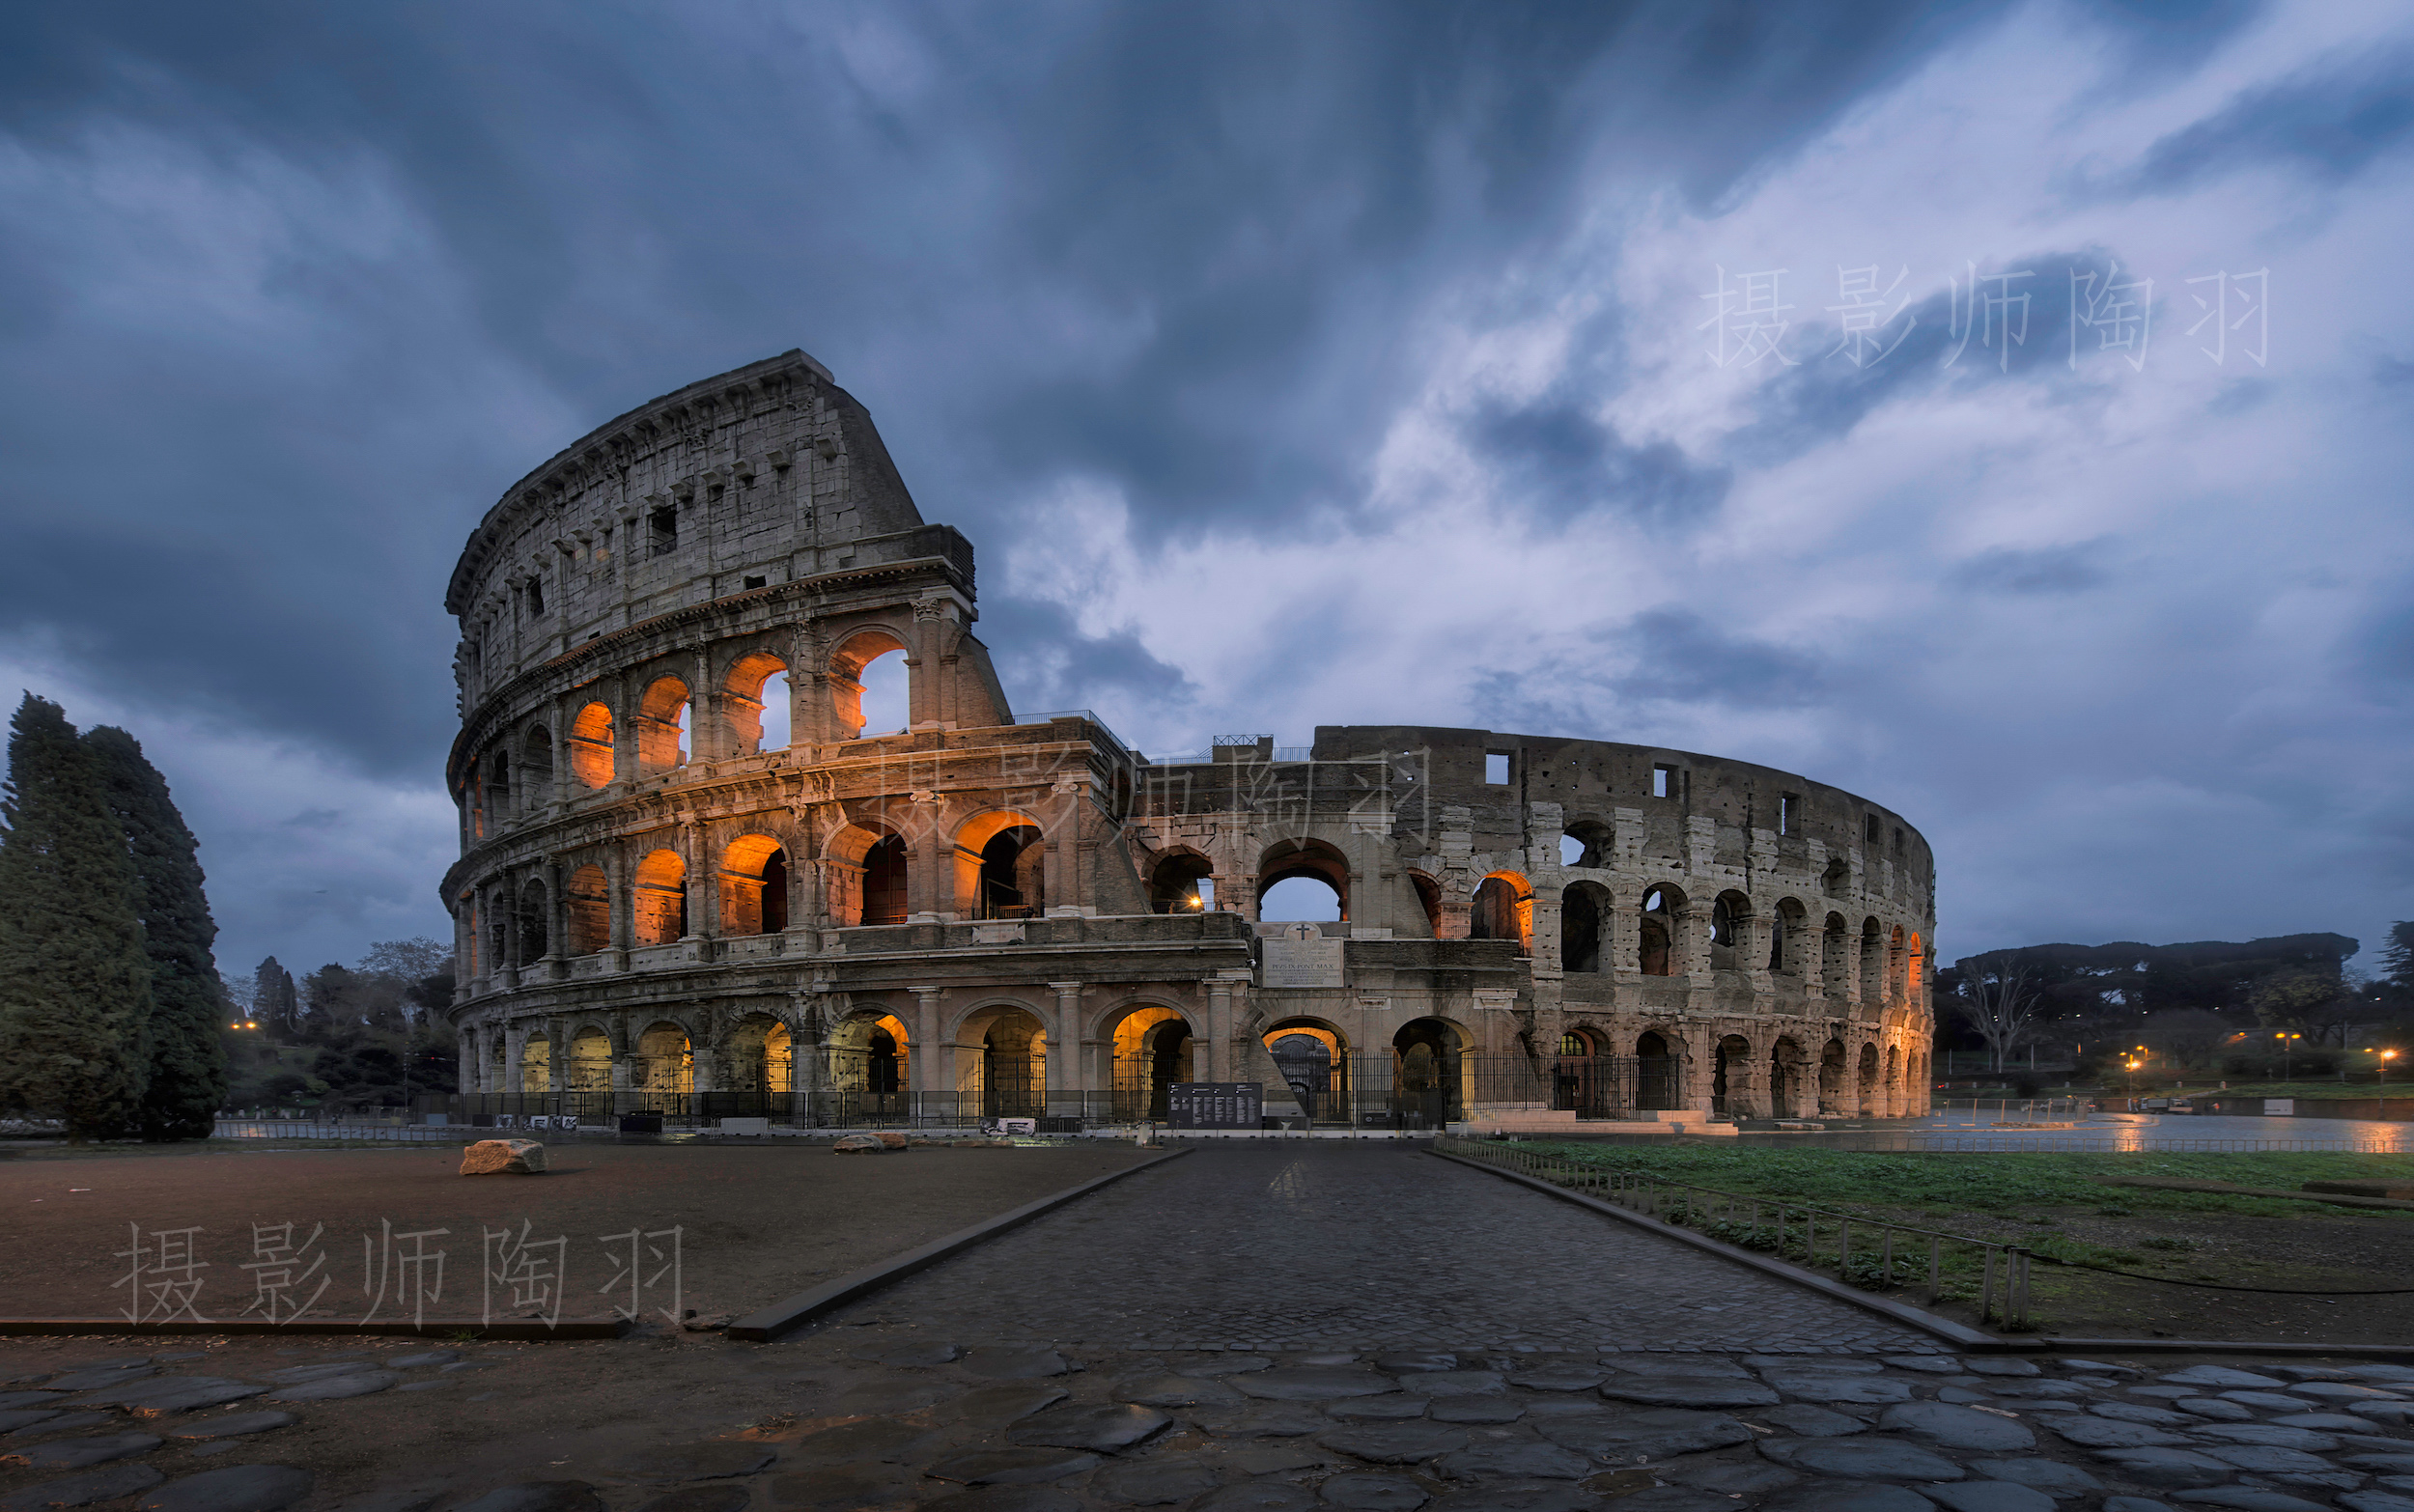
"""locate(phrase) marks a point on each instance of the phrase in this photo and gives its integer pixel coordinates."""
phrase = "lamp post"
(2288, 1048)
(2132, 1064)
(2386, 1057)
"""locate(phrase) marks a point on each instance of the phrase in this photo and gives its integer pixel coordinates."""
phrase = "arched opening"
(1588, 842)
(659, 901)
(1313, 1060)
(1655, 953)
(1897, 965)
(1152, 1051)
(1429, 899)
(494, 766)
(1831, 1074)
(759, 1058)
(587, 907)
(1836, 880)
(1786, 1073)
(1872, 962)
(1730, 915)
(1322, 878)
(869, 686)
(533, 946)
(591, 1061)
(536, 766)
(869, 1068)
(755, 699)
(664, 1067)
(1428, 1075)
(1730, 1065)
(535, 1064)
(1181, 883)
(1867, 1100)
(884, 900)
(1575, 1073)
(591, 746)
(1580, 913)
(1915, 969)
(1504, 909)
(1788, 934)
(1658, 1072)
(498, 919)
(1012, 874)
(662, 726)
(1013, 1065)
(754, 887)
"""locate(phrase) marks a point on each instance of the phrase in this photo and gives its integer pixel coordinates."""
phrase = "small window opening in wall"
(1787, 814)
(1496, 768)
(1662, 782)
(1871, 831)
(1899, 837)
(758, 582)
(665, 523)
(536, 601)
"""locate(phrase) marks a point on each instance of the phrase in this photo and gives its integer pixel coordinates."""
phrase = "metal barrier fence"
(2025, 1111)
(2115, 1141)
(1791, 1231)
(313, 1129)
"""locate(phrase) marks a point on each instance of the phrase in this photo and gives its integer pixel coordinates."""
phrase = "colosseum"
(693, 883)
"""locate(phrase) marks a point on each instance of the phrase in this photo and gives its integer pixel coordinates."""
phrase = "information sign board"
(1215, 1104)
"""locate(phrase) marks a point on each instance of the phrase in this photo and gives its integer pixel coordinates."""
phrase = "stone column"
(704, 894)
(465, 1052)
(706, 742)
(1069, 1052)
(621, 900)
(619, 1031)
(514, 1038)
(928, 1073)
(1811, 955)
(925, 894)
(805, 1060)
(556, 922)
(923, 666)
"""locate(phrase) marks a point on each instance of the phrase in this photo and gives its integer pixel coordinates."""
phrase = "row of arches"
(1887, 961)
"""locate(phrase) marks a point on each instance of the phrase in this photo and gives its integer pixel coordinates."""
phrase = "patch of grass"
(1999, 1184)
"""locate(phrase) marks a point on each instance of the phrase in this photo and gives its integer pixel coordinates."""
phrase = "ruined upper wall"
(759, 476)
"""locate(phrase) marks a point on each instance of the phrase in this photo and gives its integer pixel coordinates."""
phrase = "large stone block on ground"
(503, 1158)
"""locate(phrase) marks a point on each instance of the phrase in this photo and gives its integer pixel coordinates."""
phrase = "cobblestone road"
(1356, 1246)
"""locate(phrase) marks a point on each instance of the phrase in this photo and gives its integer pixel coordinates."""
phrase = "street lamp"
(2386, 1057)
(2133, 1063)
(2288, 1048)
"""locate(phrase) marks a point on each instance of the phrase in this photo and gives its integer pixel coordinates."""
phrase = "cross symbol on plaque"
(1305, 932)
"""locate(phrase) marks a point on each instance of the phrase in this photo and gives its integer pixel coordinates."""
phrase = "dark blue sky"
(1288, 364)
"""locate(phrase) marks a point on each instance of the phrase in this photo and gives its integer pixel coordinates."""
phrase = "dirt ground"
(756, 1224)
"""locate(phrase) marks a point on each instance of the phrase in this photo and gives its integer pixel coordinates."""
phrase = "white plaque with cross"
(1299, 956)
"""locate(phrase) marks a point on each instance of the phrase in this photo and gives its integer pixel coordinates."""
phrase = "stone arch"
(1835, 881)
(590, 1057)
(1583, 919)
(659, 732)
(1789, 933)
(536, 766)
(531, 913)
(742, 699)
(1659, 1069)
(1894, 1082)
(1312, 1059)
(756, 1053)
(1429, 899)
(591, 758)
(1731, 928)
(1315, 859)
(1000, 865)
(1866, 1099)
(1730, 1076)
(1834, 957)
(1175, 878)
(1003, 1053)
(1152, 1051)
(658, 898)
(854, 651)
(1833, 1070)
(535, 1058)
(1504, 909)
(1872, 966)
(1915, 969)
(1897, 965)
(662, 1061)
(1789, 1072)
(1577, 1067)
(754, 883)
(1662, 905)
(1432, 1067)
(871, 1060)
(1595, 842)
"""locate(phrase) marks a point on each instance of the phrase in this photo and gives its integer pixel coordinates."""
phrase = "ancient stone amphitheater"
(693, 883)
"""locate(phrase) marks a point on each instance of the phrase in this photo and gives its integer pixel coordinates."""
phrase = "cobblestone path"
(1357, 1246)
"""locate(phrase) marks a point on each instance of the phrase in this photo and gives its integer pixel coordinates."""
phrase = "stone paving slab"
(1402, 1251)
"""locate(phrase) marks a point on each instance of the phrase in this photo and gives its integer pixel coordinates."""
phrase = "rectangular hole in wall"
(1662, 782)
(665, 523)
(1899, 837)
(1787, 815)
(1872, 832)
(758, 582)
(1496, 768)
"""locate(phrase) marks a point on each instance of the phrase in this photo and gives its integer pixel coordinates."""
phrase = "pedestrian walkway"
(1346, 1246)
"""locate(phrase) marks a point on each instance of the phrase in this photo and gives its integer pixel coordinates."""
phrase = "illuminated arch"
(659, 734)
(742, 699)
(847, 661)
(754, 887)
(999, 865)
(660, 898)
(591, 746)
(1504, 909)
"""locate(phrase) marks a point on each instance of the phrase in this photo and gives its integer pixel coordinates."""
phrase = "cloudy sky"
(2001, 410)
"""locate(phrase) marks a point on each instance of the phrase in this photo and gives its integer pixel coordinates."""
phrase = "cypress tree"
(187, 1072)
(74, 984)
(274, 1002)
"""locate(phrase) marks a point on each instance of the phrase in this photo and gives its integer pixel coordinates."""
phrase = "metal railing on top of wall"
(1791, 1231)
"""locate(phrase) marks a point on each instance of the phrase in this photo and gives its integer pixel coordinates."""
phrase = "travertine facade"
(1003, 916)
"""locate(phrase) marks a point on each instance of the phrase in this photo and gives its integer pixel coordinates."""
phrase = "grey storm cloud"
(2050, 569)
(2327, 122)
